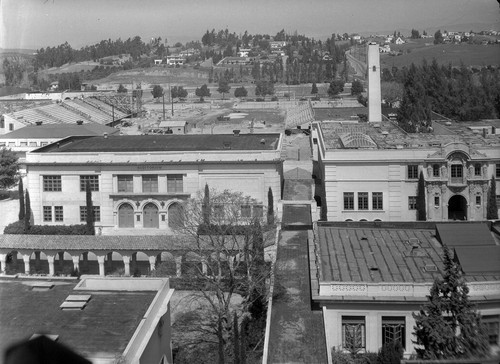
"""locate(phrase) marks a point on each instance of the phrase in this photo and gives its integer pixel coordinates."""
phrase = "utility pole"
(163, 95)
(171, 99)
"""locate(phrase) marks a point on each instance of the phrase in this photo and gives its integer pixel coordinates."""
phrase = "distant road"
(359, 66)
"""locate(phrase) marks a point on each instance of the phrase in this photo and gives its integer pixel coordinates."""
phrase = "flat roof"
(153, 143)
(104, 327)
(468, 234)
(377, 254)
(50, 131)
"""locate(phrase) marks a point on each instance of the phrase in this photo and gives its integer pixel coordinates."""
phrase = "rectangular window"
(92, 179)
(353, 333)
(246, 211)
(497, 171)
(393, 329)
(258, 211)
(52, 183)
(150, 183)
(58, 213)
(477, 169)
(362, 200)
(348, 200)
(413, 171)
(435, 170)
(436, 200)
(97, 213)
(492, 323)
(11, 126)
(175, 183)
(478, 200)
(125, 183)
(412, 202)
(377, 201)
(47, 213)
(456, 171)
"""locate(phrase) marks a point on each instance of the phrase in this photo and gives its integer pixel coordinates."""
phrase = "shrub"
(18, 228)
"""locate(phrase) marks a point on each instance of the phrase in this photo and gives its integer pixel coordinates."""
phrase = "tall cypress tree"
(421, 207)
(27, 214)
(90, 218)
(491, 204)
(448, 325)
(270, 207)
(206, 205)
(21, 200)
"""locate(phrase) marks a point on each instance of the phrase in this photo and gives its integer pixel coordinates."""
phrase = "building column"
(61, 260)
(37, 261)
(76, 262)
(85, 262)
(100, 260)
(126, 262)
(3, 262)
(50, 260)
(152, 263)
(178, 266)
(26, 258)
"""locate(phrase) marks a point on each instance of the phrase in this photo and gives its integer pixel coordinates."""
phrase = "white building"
(140, 181)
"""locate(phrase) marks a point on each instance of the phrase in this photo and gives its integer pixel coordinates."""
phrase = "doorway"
(457, 208)
(151, 218)
(126, 216)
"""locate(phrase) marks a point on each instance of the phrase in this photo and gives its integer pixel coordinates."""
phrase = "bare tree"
(228, 239)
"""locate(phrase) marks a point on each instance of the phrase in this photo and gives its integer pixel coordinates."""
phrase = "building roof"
(459, 234)
(376, 255)
(145, 143)
(104, 327)
(172, 123)
(59, 131)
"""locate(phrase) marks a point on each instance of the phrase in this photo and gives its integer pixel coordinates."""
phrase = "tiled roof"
(145, 143)
(103, 327)
(375, 255)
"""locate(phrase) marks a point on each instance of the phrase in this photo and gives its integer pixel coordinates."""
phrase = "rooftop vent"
(262, 141)
(79, 122)
(430, 268)
(236, 133)
(226, 145)
(448, 123)
(105, 135)
(42, 286)
(50, 336)
(75, 302)
(414, 242)
(39, 122)
(374, 269)
(385, 133)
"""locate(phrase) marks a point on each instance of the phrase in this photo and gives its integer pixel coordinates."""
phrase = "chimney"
(236, 133)
(79, 122)
(374, 91)
(105, 135)
(39, 122)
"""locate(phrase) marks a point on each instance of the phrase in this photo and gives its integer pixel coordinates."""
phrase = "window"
(175, 183)
(348, 200)
(97, 213)
(11, 126)
(497, 171)
(92, 179)
(258, 211)
(52, 183)
(126, 183)
(150, 183)
(435, 170)
(478, 200)
(393, 329)
(47, 213)
(246, 211)
(477, 169)
(353, 333)
(436, 201)
(492, 323)
(456, 171)
(58, 213)
(413, 171)
(377, 201)
(362, 200)
(412, 202)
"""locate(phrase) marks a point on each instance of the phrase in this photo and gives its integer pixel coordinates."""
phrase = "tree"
(264, 88)
(357, 87)
(22, 208)
(9, 168)
(90, 218)
(491, 205)
(202, 92)
(336, 87)
(314, 89)
(228, 252)
(390, 353)
(438, 37)
(27, 214)
(448, 326)
(206, 205)
(415, 34)
(223, 87)
(122, 89)
(178, 91)
(240, 92)
(421, 207)
(270, 207)
(157, 91)
(392, 92)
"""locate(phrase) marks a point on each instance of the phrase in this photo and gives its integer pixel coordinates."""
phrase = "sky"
(34, 24)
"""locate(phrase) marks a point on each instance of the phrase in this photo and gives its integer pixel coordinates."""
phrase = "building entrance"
(126, 216)
(151, 219)
(457, 208)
